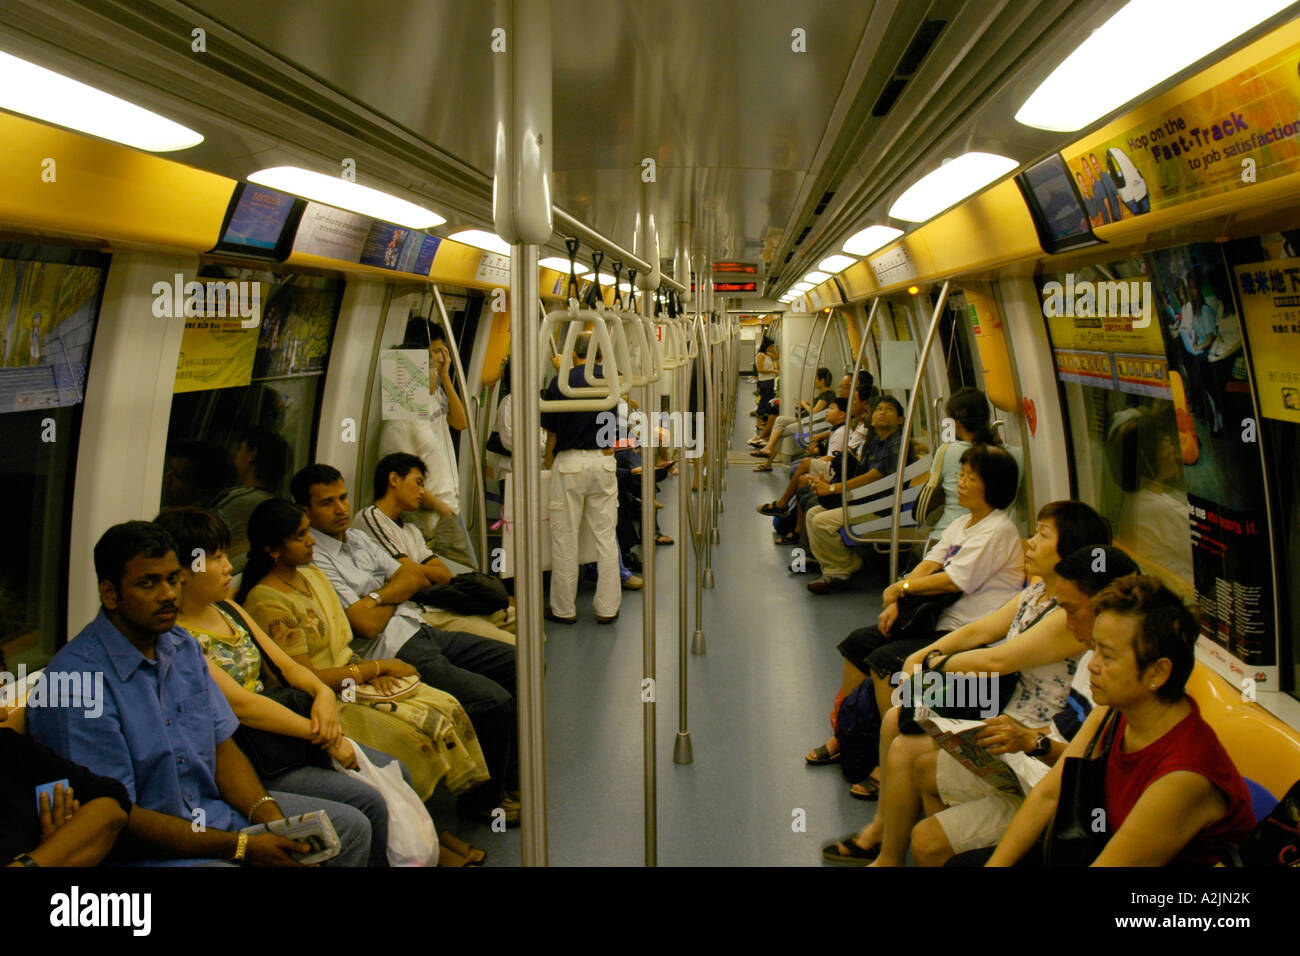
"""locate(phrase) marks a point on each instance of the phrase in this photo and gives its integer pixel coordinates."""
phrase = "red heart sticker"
(1031, 416)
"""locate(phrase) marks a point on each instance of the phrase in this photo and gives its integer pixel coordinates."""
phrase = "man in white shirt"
(430, 440)
(399, 487)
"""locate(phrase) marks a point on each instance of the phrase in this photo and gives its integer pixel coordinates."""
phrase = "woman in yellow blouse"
(295, 604)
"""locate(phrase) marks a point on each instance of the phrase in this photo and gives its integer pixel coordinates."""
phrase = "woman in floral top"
(1028, 634)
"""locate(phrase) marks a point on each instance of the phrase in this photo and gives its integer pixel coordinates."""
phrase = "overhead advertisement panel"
(1240, 130)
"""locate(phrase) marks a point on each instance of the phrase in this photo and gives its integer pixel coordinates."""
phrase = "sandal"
(870, 789)
(792, 537)
(823, 755)
(759, 454)
(663, 539)
(855, 855)
(766, 466)
(472, 855)
(772, 509)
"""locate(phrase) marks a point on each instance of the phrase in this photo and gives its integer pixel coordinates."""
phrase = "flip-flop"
(772, 509)
(871, 786)
(759, 454)
(473, 856)
(856, 855)
(790, 537)
(823, 756)
(766, 466)
(663, 539)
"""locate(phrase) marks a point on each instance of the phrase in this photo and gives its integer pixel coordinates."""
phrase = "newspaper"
(313, 828)
(1013, 773)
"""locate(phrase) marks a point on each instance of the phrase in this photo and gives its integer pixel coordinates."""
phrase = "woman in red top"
(1172, 794)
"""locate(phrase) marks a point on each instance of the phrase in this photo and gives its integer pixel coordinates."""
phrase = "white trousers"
(584, 485)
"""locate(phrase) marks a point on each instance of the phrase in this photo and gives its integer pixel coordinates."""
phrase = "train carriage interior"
(607, 279)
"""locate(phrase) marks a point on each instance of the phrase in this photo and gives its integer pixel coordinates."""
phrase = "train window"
(1149, 354)
(49, 302)
(238, 433)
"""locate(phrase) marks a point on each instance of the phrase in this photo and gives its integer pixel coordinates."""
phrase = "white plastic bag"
(412, 836)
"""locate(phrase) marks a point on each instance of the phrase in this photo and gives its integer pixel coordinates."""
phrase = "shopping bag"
(412, 836)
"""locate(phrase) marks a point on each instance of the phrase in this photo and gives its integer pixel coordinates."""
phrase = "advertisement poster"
(336, 233)
(1270, 298)
(216, 352)
(1222, 467)
(1197, 147)
(404, 384)
(297, 323)
(47, 317)
(400, 249)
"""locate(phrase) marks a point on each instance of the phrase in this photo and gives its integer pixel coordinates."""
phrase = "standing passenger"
(583, 483)
(430, 439)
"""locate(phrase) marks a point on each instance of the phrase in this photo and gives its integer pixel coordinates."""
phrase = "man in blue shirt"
(161, 727)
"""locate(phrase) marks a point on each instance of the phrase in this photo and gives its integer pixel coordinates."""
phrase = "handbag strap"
(1109, 726)
(236, 613)
(936, 470)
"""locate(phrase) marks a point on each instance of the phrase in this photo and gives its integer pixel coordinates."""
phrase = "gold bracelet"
(241, 848)
(264, 798)
(356, 674)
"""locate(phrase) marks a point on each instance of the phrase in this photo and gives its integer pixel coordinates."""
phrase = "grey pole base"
(717, 536)
(682, 748)
(722, 505)
(708, 577)
(697, 644)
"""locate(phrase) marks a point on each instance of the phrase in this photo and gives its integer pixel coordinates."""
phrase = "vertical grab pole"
(699, 513)
(683, 752)
(907, 425)
(648, 247)
(480, 494)
(521, 207)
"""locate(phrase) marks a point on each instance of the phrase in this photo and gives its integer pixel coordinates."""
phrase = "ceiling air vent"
(821, 205)
(803, 235)
(789, 256)
(916, 52)
(919, 47)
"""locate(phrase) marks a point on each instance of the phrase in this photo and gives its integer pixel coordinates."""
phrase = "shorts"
(819, 468)
(978, 813)
(872, 652)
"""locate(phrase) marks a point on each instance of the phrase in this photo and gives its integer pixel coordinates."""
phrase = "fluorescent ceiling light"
(1092, 82)
(54, 98)
(562, 265)
(346, 195)
(816, 277)
(801, 286)
(834, 264)
(870, 239)
(950, 184)
(481, 239)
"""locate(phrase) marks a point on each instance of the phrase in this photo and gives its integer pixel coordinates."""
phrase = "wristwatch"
(374, 596)
(1041, 748)
(905, 584)
(25, 860)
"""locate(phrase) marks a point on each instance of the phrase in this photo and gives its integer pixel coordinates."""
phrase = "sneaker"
(633, 582)
(552, 616)
(607, 620)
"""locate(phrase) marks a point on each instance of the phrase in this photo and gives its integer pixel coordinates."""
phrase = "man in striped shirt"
(399, 481)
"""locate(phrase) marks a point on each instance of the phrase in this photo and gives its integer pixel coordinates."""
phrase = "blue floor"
(759, 699)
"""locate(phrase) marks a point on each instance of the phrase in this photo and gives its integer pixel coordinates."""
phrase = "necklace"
(304, 590)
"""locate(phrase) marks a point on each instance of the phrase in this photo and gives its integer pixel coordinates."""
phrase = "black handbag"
(918, 614)
(470, 593)
(1072, 837)
(272, 754)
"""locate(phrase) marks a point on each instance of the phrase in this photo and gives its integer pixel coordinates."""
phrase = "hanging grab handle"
(571, 287)
(593, 291)
(607, 390)
(616, 265)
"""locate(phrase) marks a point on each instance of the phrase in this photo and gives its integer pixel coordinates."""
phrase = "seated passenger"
(1043, 645)
(835, 416)
(979, 555)
(160, 726)
(236, 650)
(822, 397)
(260, 463)
(59, 829)
(878, 458)
(375, 591)
(969, 410)
(293, 603)
(1172, 796)
(398, 488)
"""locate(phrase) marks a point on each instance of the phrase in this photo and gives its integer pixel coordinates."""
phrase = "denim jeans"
(319, 783)
(349, 823)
